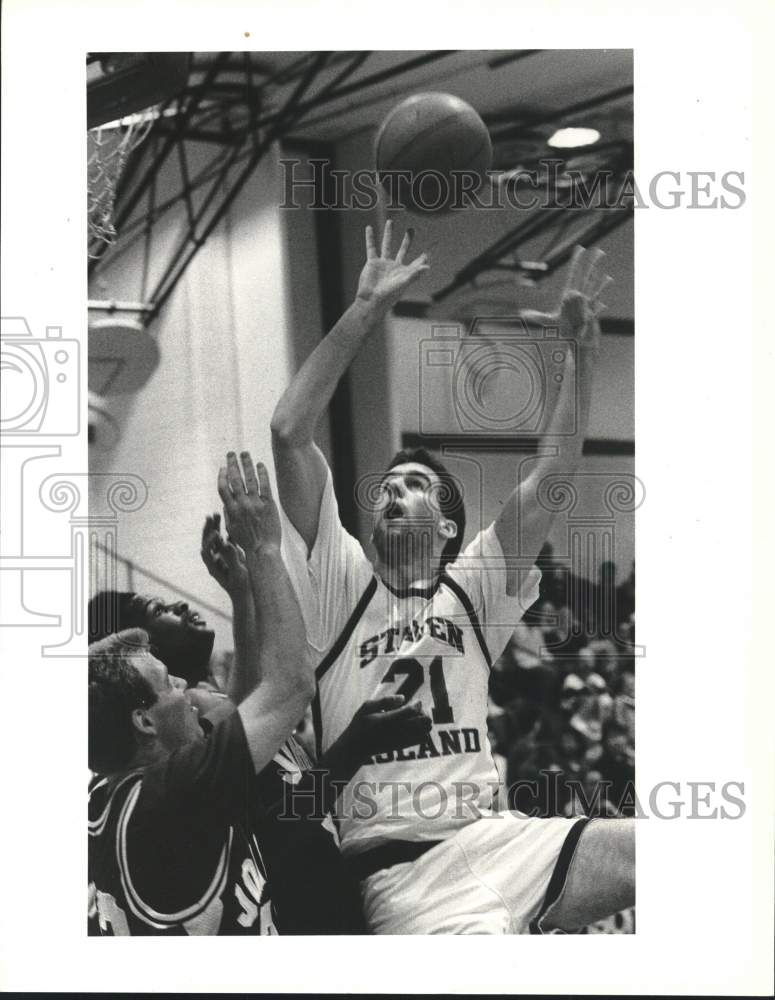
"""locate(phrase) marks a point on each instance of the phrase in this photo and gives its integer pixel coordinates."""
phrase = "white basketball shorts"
(497, 875)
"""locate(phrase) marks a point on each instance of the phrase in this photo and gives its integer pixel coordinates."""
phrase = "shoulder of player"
(182, 777)
(356, 553)
(330, 527)
(107, 797)
(484, 545)
(171, 798)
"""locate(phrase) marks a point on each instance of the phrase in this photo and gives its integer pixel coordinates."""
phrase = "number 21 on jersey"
(414, 677)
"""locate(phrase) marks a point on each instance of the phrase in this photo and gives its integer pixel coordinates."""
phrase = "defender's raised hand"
(384, 278)
(252, 519)
(225, 562)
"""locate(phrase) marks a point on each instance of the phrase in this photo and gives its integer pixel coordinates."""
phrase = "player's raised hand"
(581, 301)
(251, 515)
(387, 724)
(224, 560)
(385, 278)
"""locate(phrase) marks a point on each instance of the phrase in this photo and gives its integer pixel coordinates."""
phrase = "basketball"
(442, 147)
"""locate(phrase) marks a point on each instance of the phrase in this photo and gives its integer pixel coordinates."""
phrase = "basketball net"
(108, 147)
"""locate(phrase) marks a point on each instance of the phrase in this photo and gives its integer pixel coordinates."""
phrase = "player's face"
(173, 713)
(409, 504)
(178, 634)
(410, 495)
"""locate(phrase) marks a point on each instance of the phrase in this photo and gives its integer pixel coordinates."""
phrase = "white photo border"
(704, 906)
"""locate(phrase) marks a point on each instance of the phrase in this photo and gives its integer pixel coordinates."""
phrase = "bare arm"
(299, 463)
(271, 709)
(523, 524)
(226, 564)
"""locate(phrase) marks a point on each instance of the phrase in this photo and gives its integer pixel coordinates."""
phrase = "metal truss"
(235, 106)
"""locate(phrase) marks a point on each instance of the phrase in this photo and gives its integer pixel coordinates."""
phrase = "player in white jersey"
(431, 642)
(427, 622)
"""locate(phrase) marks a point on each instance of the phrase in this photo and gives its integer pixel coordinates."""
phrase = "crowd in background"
(562, 710)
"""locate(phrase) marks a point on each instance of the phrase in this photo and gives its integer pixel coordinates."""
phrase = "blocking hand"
(225, 562)
(384, 279)
(251, 515)
(387, 724)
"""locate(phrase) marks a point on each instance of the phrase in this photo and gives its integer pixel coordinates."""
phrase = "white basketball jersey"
(434, 645)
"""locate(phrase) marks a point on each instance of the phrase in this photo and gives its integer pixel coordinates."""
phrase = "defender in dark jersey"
(314, 891)
(184, 836)
(172, 843)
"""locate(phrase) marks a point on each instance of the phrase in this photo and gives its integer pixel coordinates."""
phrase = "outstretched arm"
(271, 709)
(226, 564)
(523, 524)
(299, 463)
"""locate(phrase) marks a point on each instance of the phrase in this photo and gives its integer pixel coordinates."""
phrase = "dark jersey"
(173, 847)
(312, 890)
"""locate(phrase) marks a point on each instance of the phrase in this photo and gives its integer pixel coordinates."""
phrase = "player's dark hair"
(450, 495)
(116, 689)
(112, 611)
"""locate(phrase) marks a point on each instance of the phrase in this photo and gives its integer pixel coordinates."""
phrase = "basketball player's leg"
(601, 876)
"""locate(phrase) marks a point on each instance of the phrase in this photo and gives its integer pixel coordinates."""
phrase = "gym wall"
(226, 356)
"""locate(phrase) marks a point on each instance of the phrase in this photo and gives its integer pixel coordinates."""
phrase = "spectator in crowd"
(569, 702)
(625, 598)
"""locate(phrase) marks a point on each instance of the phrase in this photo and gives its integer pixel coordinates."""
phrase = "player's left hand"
(387, 724)
(384, 278)
(225, 561)
(581, 301)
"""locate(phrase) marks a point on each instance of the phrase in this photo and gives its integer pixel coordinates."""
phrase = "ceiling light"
(572, 138)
